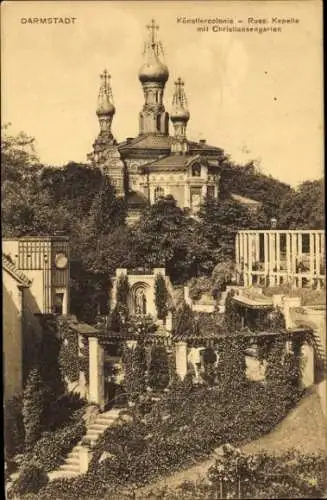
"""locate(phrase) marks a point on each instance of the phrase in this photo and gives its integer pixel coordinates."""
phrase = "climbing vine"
(68, 352)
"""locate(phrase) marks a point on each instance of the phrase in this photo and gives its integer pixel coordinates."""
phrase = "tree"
(161, 296)
(221, 220)
(134, 362)
(33, 408)
(158, 375)
(303, 208)
(185, 321)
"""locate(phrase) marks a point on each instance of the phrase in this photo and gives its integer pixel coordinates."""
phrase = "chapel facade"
(155, 163)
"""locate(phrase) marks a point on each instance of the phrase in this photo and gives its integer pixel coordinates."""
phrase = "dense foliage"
(158, 373)
(51, 450)
(14, 434)
(33, 408)
(161, 296)
(32, 477)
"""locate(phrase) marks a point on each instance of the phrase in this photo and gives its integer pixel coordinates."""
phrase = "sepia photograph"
(163, 250)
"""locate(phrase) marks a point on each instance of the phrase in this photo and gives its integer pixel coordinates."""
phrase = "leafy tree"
(249, 181)
(166, 237)
(158, 375)
(221, 220)
(161, 296)
(303, 208)
(33, 408)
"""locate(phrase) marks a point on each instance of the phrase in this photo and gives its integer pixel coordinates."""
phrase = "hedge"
(51, 450)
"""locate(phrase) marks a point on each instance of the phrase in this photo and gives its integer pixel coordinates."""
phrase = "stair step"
(98, 426)
(68, 467)
(72, 460)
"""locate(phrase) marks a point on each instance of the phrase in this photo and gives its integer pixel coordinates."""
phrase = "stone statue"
(140, 302)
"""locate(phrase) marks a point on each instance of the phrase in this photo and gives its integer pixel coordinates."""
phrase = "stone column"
(293, 257)
(278, 257)
(250, 253)
(266, 254)
(237, 250)
(288, 256)
(181, 359)
(187, 201)
(312, 262)
(96, 372)
(317, 256)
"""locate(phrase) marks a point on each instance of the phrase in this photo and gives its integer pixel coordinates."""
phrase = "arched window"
(158, 193)
(196, 170)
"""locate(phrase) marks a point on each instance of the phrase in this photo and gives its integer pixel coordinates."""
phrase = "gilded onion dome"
(153, 70)
(105, 106)
(179, 110)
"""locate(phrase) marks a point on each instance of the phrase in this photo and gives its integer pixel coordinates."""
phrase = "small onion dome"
(153, 71)
(179, 114)
(105, 108)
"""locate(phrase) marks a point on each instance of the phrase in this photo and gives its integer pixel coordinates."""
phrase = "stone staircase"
(72, 466)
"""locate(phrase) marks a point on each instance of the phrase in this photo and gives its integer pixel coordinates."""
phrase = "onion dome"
(179, 114)
(105, 106)
(153, 70)
(179, 110)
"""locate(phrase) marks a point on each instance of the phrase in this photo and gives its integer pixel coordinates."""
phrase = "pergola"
(97, 341)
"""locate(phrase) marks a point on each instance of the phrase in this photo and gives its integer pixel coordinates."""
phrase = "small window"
(158, 193)
(196, 170)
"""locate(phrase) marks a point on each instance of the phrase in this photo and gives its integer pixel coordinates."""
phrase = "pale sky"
(257, 96)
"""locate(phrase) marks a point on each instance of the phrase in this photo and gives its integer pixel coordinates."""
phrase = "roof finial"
(153, 27)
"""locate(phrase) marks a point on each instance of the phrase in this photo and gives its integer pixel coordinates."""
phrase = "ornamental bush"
(51, 450)
(161, 296)
(33, 408)
(13, 427)
(134, 361)
(30, 480)
(158, 374)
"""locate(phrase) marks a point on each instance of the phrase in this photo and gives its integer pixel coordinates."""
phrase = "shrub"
(185, 322)
(13, 427)
(161, 296)
(50, 451)
(30, 480)
(33, 408)
(134, 362)
(199, 286)
(158, 375)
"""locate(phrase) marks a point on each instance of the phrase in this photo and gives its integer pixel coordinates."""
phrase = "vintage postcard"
(163, 250)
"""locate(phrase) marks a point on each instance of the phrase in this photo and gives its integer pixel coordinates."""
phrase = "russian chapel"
(155, 163)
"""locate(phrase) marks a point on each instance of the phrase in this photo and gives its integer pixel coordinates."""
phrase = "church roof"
(18, 275)
(163, 142)
(172, 162)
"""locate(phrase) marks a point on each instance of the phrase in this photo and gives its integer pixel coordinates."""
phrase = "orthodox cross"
(152, 28)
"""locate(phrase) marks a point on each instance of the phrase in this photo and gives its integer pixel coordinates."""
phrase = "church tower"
(179, 117)
(105, 151)
(153, 75)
